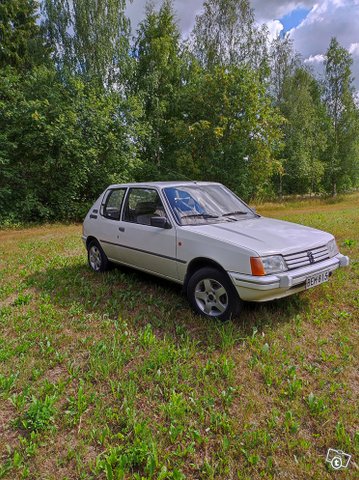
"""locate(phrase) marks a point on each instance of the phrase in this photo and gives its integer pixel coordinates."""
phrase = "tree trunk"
(334, 190)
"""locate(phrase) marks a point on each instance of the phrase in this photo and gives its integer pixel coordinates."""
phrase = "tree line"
(85, 102)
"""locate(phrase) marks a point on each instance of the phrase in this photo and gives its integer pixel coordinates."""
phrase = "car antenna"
(180, 175)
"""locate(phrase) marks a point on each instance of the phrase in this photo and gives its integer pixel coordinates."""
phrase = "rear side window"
(113, 203)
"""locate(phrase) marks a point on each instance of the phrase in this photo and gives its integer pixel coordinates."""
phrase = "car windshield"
(204, 204)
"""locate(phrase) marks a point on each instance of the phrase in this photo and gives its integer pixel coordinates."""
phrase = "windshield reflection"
(205, 204)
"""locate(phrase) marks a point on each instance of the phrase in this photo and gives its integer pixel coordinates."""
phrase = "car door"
(142, 245)
(109, 223)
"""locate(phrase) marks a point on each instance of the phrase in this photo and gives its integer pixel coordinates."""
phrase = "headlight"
(332, 248)
(274, 264)
(266, 265)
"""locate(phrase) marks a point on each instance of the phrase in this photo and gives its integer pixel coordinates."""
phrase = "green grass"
(112, 376)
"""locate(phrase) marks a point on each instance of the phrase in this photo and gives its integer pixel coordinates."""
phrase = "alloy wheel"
(211, 297)
(95, 258)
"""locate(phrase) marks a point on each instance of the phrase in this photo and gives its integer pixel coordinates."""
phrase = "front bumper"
(261, 289)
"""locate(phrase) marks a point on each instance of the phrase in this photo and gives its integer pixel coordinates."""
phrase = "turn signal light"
(257, 266)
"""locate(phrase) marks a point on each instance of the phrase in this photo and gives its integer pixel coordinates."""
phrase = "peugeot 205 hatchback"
(201, 235)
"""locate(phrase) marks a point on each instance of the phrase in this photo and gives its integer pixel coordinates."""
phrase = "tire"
(211, 294)
(96, 257)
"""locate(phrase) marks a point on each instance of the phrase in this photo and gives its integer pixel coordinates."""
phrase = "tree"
(305, 132)
(226, 130)
(21, 43)
(157, 77)
(342, 154)
(283, 61)
(226, 34)
(89, 37)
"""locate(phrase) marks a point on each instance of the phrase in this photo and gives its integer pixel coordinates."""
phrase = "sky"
(310, 23)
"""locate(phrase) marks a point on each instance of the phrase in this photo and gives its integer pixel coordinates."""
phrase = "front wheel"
(97, 258)
(211, 294)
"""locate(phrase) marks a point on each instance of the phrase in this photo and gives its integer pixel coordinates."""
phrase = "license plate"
(317, 279)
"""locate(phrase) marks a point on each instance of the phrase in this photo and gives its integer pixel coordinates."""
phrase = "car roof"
(177, 183)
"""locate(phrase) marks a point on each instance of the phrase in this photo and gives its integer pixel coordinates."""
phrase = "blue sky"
(293, 18)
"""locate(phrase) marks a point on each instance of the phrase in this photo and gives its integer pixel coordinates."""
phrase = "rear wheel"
(211, 294)
(97, 258)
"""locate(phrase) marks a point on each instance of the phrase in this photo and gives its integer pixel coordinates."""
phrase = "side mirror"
(160, 222)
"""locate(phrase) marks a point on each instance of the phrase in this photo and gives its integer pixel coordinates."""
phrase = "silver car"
(201, 235)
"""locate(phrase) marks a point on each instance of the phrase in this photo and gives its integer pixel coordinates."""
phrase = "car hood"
(266, 236)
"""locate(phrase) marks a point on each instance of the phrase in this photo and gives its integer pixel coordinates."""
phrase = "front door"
(139, 244)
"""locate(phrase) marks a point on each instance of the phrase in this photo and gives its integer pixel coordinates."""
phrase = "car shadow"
(140, 298)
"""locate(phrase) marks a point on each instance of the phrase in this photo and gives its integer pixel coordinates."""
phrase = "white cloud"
(274, 28)
(273, 9)
(316, 64)
(331, 18)
(327, 19)
(315, 59)
(354, 49)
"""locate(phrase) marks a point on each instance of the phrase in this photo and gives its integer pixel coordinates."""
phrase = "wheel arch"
(89, 240)
(198, 263)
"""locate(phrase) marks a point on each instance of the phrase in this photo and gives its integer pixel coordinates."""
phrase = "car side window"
(113, 203)
(141, 205)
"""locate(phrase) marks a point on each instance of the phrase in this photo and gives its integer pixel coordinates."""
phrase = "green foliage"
(141, 453)
(225, 118)
(39, 415)
(88, 37)
(60, 144)
(21, 43)
(7, 383)
(316, 405)
(226, 34)
(282, 61)
(157, 79)
(305, 134)
(342, 164)
(77, 405)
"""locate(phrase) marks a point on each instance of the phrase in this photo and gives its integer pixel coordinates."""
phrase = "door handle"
(122, 229)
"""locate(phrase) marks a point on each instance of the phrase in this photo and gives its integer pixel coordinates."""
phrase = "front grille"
(308, 257)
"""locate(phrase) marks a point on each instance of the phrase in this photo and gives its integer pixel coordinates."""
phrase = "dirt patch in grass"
(8, 436)
(9, 301)
(56, 373)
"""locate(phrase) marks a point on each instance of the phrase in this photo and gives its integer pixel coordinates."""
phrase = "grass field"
(112, 377)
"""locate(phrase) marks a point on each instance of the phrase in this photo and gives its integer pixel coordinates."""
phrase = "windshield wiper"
(237, 212)
(203, 215)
